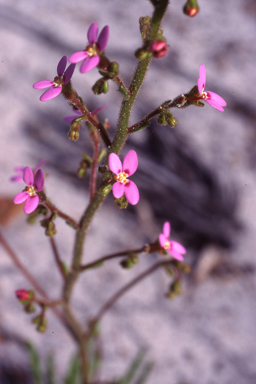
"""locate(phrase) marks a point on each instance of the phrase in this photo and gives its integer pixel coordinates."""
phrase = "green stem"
(53, 209)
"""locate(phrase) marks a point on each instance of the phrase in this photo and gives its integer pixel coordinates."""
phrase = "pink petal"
(103, 38)
(130, 163)
(43, 84)
(162, 239)
(177, 247)
(78, 56)
(131, 192)
(175, 254)
(62, 65)
(39, 180)
(214, 97)
(114, 163)
(97, 110)
(167, 229)
(51, 93)
(17, 179)
(92, 33)
(69, 73)
(69, 119)
(19, 170)
(20, 197)
(118, 190)
(214, 104)
(31, 204)
(202, 78)
(40, 164)
(28, 176)
(89, 63)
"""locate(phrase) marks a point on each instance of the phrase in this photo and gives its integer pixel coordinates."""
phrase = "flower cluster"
(175, 249)
(29, 195)
(122, 171)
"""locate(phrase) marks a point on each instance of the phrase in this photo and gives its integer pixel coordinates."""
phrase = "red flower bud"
(158, 48)
(22, 294)
(191, 8)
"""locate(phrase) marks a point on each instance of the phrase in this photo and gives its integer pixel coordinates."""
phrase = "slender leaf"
(147, 368)
(73, 374)
(50, 374)
(132, 370)
(35, 364)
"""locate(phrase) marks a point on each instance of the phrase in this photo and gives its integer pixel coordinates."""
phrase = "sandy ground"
(207, 335)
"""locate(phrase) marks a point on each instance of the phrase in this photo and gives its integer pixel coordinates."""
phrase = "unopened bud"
(144, 26)
(126, 263)
(171, 120)
(158, 48)
(29, 308)
(141, 53)
(162, 119)
(22, 294)
(191, 8)
(73, 135)
(105, 189)
(101, 86)
(122, 202)
(113, 68)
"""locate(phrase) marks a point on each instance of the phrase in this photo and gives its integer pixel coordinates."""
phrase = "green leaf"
(35, 364)
(145, 373)
(133, 368)
(50, 374)
(73, 374)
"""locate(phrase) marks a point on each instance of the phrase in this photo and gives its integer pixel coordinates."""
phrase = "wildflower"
(22, 294)
(29, 195)
(175, 249)
(18, 178)
(90, 53)
(122, 172)
(63, 77)
(69, 119)
(211, 98)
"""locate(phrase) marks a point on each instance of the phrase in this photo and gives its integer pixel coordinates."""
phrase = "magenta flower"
(18, 178)
(122, 172)
(29, 195)
(22, 294)
(56, 85)
(69, 119)
(175, 249)
(90, 53)
(211, 98)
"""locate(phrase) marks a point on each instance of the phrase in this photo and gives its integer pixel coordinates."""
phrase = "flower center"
(92, 50)
(167, 245)
(204, 95)
(58, 81)
(121, 177)
(31, 190)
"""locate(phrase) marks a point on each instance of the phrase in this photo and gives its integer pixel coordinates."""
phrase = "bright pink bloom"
(22, 294)
(69, 119)
(29, 195)
(175, 249)
(122, 172)
(158, 48)
(90, 53)
(20, 170)
(211, 98)
(63, 77)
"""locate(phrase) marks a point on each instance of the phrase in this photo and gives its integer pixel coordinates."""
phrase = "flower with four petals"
(90, 53)
(29, 195)
(63, 77)
(122, 172)
(175, 249)
(211, 98)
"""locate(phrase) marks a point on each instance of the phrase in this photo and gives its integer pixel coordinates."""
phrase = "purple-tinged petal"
(40, 164)
(31, 204)
(17, 179)
(69, 119)
(114, 163)
(77, 57)
(97, 110)
(202, 78)
(69, 73)
(131, 192)
(177, 247)
(130, 163)
(28, 176)
(19, 170)
(215, 97)
(62, 65)
(167, 229)
(214, 104)
(43, 84)
(162, 239)
(118, 190)
(89, 63)
(92, 33)
(39, 180)
(175, 254)
(51, 93)
(103, 38)
(20, 197)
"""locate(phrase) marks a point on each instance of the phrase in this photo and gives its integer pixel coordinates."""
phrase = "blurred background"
(200, 176)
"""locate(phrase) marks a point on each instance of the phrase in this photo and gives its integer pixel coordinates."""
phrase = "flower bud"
(29, 308)
(144, 26)
(158, 48)
(122, 202)
(41, 322)
(105, 189)
(73, 135)
(101, 86)
(162, 119)
(191, 8)
(113, 68)
(126, 263)
(141, 53)
(171, 120)
(22, 294)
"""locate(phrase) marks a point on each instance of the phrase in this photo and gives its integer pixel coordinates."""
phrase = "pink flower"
(175, 249)
(29, 195)
(158, 48)
(90, 54)
(211, 98)
(69, 119)
(22, 294)
(122, 172)
(56, 85)
(20, 170)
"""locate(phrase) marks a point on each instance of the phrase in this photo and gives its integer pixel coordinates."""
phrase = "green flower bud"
(73, 135)
(142, 53)
(162, 119)
(191, 8)
(144, 26)
(101, 86)
(113, 68)
(122, 203)
(126, 263)
(29, 308)
(104, 190)
(171, 120)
